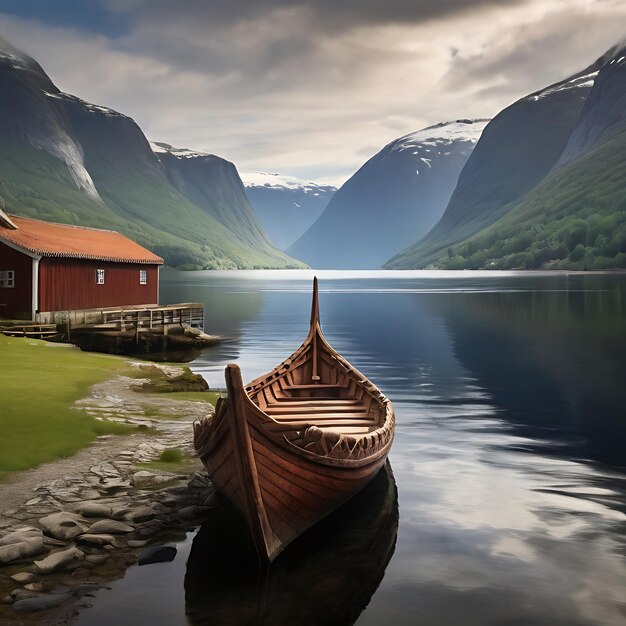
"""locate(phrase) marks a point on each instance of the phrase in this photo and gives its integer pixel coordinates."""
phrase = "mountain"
(66, 160)
(286, 205)
(516, 151)
(400, 192)
(572, 214)
(213, 184)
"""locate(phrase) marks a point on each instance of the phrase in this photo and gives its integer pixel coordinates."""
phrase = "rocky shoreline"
(72, 535)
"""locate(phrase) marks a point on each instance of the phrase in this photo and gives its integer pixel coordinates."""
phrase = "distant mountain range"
(66, 160)
(286, 205)
(546, 184)
(400, 193)
(542, 185)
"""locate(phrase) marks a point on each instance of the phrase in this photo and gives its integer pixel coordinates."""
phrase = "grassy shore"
(39, 383)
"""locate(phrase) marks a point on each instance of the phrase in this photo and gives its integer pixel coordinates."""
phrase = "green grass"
(39, 384)
(575, 219)
(175, 462)
(171, 455)
(145, 208)
(160, 382)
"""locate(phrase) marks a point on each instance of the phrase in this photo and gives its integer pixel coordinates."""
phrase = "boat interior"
(319, 390)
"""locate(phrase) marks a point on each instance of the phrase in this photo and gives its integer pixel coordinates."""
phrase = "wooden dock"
(34, 331)
(125, 330)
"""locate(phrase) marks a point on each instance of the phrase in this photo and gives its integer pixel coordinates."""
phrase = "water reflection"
(327, 576)
(509, 452)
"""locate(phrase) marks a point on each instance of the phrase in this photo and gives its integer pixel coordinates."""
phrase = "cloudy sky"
(310, 88)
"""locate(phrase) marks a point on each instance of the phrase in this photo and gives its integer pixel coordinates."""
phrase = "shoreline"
(70, 526)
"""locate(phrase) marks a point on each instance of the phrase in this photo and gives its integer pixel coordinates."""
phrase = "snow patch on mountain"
(282, 181)
(575, 83)
(433, 140)
(159, 147)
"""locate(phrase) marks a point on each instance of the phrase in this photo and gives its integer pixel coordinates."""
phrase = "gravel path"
(113, 400)
(70, 526)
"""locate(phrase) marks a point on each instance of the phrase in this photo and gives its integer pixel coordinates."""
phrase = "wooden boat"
(327, 576)
(296, 443)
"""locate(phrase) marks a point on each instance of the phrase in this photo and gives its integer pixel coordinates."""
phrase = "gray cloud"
(313, 89)
(331, 14)
(563, 43)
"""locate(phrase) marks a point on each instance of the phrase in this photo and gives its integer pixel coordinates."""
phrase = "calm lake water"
(506, 503)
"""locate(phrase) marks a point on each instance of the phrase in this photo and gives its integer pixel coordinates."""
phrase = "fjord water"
(509, 457)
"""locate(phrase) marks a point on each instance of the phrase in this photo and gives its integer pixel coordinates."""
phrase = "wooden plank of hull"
(279, 493)
(267, 469)
(329, 579)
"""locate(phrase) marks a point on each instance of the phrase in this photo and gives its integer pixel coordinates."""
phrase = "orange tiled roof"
(75, 242)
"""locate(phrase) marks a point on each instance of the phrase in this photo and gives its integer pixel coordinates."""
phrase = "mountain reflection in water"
(327, 576)
(509, 455)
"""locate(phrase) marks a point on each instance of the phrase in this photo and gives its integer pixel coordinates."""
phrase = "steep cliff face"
(213, 184)
(66, 160)
(603, 117)
(574, 217)
(399, 193)
(287, 206)
(516, 151)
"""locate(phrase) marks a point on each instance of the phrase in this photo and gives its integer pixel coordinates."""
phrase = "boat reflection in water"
(327, 576)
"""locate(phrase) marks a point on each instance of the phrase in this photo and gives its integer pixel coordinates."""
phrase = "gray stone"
(20, 544)
(113, 484)
(34, 587)
(111, 527)
(144, 514)
(96, 540)
(200, 481)
(55, 543)
(157, 554)
(121, 514)
(21, 594)
(23, 577)
(144, 479)
(137, 543)
(25, 533)
(147, 532)
(58, 561)
(104, 470)
(94, 509)
(90, 494)
(40, 603)
(193, 512)
(63, 526)
(97, 559)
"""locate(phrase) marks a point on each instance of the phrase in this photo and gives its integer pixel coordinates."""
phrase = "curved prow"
(267, 545)
(315, 320)
(315, 307)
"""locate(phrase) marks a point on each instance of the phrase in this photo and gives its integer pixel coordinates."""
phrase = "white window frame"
(99, 277)
(7, 279)
(143, 277)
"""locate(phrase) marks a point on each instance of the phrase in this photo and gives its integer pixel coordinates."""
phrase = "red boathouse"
(46, 268)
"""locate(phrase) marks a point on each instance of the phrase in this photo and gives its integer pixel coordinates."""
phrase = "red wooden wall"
(17, 299)
(67, 284)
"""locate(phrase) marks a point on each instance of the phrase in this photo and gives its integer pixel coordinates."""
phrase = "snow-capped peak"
(281, 181)
(439, 136)
(159, 147)
(579, 81)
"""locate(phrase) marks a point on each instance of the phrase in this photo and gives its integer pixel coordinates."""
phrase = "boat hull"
(294, 445)
(328, 576)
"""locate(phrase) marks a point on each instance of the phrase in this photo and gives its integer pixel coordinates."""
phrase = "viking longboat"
(296, 443)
